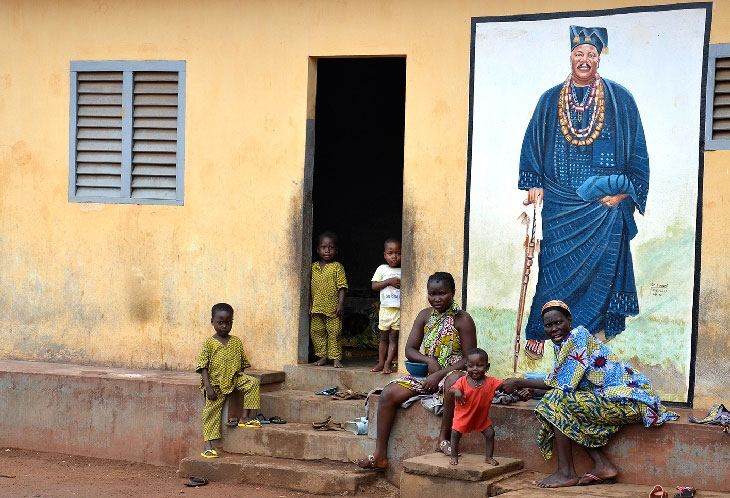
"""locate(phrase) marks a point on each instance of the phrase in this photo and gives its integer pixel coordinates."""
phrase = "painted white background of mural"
(657, 56)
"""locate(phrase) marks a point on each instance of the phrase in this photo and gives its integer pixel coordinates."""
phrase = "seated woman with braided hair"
(592, 393)
(445, 331)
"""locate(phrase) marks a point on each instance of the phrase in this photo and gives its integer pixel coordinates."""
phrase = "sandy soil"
(34, 474)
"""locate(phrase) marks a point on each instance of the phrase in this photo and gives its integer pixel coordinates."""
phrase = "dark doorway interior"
(358, 165)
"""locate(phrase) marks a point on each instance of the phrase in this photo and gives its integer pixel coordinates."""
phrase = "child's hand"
(340, 310)
(210, 393)
(459, 396)
(395, 282)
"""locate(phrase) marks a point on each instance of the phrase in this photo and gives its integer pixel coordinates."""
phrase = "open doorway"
(357, 188)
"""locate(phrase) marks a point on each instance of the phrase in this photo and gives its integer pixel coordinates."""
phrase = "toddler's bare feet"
(387, 370)
(491, 461)
(320, 362)
(377, 368)
(337, 364)
(454, 459)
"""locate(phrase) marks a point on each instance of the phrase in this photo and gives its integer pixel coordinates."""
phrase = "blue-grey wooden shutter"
(721, 101)
(155, 125)
(99, 134)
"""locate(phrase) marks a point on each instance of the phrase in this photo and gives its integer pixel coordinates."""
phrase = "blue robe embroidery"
(585, 258)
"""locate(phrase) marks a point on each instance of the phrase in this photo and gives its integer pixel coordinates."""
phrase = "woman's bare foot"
(454, 459)
(377, 368)
(320, 362)
(558, 480)
(337, 364)
(491, 461)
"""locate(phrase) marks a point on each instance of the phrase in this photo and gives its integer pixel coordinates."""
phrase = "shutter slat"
(722, 74)
(155, 76)
(721, 135)
(720, 124)
(153, 193)
(99, 133)
(98, 192)
(155, 87)
(99, 157)
(722, 62)
(100, 99)
(722, 100)
(98, 181)
(101, 145)
(154, 146)
(100, 110)
(99, 169)
(153, 158)
(155, 112)
(155, 123)
(153, 99)
(153, 170)
(100, 76)
(153, 182)
(100, 87)
(721, 112)
(156, 134)
(722, 87)
(100, 122)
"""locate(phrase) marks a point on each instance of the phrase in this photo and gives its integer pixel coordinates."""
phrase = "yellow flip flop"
(251, 424)
(209, 454)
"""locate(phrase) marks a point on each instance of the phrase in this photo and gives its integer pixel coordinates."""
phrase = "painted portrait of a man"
(584, 158)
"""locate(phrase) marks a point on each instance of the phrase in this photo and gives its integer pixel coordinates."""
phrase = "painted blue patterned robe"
(585, 258)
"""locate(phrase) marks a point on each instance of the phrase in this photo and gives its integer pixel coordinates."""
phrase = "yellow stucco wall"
(132, 285)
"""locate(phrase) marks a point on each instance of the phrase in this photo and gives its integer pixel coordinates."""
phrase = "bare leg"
(488, 434)
(602, 466)
(392, 351)
(209, 444)
(246, 415)
(382, 351)
(565, 475)
(455, 438)
(448, 415)
(393, 395)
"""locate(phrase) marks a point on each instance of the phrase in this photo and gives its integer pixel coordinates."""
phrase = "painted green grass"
(659, 348)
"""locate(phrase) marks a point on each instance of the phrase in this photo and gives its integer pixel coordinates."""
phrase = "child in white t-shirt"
(387, 281)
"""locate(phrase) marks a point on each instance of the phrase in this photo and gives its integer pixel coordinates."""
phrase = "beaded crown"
(598, 37)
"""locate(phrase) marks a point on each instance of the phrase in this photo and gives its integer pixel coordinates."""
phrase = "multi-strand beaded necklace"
(568, 102)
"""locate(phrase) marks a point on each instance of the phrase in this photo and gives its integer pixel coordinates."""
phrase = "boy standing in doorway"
(387, 280)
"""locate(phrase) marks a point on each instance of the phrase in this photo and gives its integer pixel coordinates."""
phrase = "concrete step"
(355, 376)
(471, 467)
(297, 441)
(322, 478)
(307, 407)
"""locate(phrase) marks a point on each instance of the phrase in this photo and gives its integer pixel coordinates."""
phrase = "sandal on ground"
(251, 424)
(261, 418)
(276, 420)
(596, 480)
(350, 394)
(209, 454)
(195, 482)
(534, 349)
(232, 422)
(658, 492)
(319, 425)
(368, 463)
(327, 392)
(329, 426)
(685, 492)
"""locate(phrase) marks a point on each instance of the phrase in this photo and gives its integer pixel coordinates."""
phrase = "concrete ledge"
(471, 467)
(148, 416)
(676, 451)
(307, 407)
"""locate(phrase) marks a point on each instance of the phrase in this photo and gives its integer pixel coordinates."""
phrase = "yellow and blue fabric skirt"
(587, 418)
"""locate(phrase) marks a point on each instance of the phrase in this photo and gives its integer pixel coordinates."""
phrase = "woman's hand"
(433, 365)
(510, 385)
(524, 394)
(431, 383)
(610, 201)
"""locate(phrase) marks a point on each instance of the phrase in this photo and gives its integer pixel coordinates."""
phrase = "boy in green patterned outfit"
(221, 364)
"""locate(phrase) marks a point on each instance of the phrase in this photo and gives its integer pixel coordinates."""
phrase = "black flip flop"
(276, 420)
(232, 422)
(261, 418)
(195, 482)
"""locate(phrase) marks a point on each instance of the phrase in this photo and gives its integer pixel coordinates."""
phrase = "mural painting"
(584, 167)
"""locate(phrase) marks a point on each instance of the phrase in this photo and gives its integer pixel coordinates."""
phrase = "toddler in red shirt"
(473, 394)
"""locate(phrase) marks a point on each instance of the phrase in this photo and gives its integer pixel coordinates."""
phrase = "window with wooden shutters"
(717, 128)
(127, 132)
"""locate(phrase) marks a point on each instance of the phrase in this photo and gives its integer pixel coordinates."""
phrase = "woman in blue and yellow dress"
(445, 331)
(591, 395)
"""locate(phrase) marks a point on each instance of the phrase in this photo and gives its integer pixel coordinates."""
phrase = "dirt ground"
(35, 474)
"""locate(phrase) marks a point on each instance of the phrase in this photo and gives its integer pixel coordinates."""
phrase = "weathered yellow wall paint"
(132, 285)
